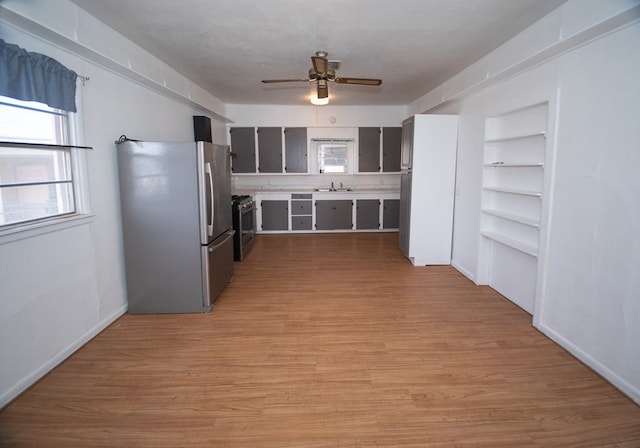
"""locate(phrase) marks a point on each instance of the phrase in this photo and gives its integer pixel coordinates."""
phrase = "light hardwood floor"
(330, 340)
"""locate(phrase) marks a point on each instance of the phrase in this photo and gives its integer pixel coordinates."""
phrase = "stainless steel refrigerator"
(175, 200)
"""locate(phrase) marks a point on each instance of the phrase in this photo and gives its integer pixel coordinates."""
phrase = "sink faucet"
(332, 186)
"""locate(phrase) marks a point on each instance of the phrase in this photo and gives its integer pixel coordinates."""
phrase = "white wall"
(591, 300)
(59, 289)
(315, 116)
(586, 56)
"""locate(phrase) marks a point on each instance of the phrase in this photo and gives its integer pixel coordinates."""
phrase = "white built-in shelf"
(512, 243)
(514, 191)
(512, 217)
(515, 164)
(516, 137)
(514, 169)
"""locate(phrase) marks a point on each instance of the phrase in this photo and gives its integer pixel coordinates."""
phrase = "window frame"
(71, 126)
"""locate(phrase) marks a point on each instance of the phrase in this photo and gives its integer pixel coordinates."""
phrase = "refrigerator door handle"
(228, 235)
(207, 170)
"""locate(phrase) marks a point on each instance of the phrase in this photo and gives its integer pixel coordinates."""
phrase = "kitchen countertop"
(253, 192)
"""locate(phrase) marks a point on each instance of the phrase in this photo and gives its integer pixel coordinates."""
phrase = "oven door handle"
(207, 170)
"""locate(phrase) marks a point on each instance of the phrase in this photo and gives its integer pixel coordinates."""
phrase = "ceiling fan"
(322, 72)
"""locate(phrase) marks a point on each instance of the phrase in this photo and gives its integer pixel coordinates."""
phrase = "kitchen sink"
(337, 190)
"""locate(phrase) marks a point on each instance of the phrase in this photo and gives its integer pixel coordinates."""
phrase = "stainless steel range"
(244, 223)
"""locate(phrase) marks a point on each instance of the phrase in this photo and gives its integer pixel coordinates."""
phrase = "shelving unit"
(513, 165)
(512, 192)
(533, 222)
(516, 137)
(510, 242)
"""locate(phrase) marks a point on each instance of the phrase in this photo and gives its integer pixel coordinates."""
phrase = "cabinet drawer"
(301, 223)
(300, 207)
(300, 196)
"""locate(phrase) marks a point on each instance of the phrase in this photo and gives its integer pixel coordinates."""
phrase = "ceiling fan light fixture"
(320, 74)
(318, 101)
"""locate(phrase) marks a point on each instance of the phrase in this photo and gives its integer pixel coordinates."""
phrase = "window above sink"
(333, 156)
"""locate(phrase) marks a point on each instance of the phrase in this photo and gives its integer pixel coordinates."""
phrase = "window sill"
(40, 228)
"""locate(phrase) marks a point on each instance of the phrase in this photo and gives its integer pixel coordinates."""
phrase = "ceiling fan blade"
(320, 65)
(323, 89)
(360, 81)
(269, 81)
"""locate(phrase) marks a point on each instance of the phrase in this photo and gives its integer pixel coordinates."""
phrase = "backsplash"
(293, 182)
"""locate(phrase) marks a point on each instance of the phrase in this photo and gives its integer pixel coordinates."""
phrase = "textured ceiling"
(228, 46)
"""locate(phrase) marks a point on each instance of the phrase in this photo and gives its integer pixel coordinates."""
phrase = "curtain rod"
(42, 145)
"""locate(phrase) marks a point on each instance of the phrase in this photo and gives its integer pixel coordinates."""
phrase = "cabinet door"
(368, 150)
(367, 214)
(343, 214)
(243, 150)
(391, 214)
(275, 215)
(406, 158)
(270, 150)
(295, 150)
(391, 148)
(324, 215)
(405, 212)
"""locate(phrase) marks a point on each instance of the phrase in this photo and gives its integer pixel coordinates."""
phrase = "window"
(333, 156)
(35, 183)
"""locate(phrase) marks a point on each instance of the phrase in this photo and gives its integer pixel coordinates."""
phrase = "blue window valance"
(35, 77)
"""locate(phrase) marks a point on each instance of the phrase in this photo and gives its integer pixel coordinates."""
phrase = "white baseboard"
(30, 379)
(463, 271)
(625, 387)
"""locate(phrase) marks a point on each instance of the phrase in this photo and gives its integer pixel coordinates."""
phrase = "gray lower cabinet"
(275, 215)
(270, 150)
(367, 214)
(391, 213)
(300, 207)
(301, 223)
(301, 212)
(243, 150)
(334, 214)
(295, 150)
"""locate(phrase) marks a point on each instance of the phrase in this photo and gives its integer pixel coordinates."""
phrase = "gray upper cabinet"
(270, 150)
(391, 149)
(334, 214)
(369, 155)
(243, 150)
(295, 144)
(368, 150)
